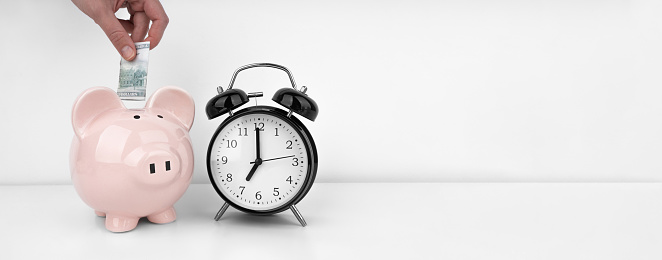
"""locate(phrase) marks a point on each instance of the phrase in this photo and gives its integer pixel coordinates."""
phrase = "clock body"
(287, 153)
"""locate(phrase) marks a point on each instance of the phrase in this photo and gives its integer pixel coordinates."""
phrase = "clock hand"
(275, 158)
(257, 163)
(257, 143)
(258, 160)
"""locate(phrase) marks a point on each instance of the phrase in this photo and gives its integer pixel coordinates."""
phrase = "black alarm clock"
(262, 160)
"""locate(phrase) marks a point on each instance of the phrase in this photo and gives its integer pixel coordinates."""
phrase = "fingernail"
(127, 53)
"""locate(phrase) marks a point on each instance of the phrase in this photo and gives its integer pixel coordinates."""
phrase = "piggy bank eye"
(160, 116)
(136, 117)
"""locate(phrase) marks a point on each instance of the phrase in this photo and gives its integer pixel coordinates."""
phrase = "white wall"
(508, 90)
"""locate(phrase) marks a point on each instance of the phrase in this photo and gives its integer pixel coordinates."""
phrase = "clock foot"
(221, 211)
(298, 215)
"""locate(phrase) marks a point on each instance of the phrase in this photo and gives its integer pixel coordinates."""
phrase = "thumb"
(118, 36)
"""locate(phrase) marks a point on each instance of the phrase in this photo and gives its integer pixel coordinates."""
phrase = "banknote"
(133, 74)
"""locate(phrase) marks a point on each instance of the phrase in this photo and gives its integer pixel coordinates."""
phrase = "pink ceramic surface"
(132, 163)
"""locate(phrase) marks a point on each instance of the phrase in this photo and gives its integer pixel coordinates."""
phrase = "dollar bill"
(133, 74)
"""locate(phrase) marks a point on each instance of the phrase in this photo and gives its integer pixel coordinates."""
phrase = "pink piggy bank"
(132, 163)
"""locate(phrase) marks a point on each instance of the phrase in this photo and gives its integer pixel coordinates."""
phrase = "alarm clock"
(262, 160)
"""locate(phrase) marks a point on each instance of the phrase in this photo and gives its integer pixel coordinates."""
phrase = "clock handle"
(295, 100)
(298, 215)
(255, 65)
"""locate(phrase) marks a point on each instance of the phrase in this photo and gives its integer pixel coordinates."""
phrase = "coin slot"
(167, 165)
(152, 168)
(136, 117)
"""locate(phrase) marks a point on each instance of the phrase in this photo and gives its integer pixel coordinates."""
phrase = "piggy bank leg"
(166, 216)
(99, 213)
(117, 223)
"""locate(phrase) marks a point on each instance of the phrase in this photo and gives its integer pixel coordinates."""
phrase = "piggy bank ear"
(90, 104)
(176, 101)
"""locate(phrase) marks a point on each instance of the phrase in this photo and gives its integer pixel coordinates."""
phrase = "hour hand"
(257, 163)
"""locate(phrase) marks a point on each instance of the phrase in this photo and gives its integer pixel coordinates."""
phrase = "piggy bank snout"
(159, 167)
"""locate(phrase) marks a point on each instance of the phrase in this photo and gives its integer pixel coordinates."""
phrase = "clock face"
(260, 162)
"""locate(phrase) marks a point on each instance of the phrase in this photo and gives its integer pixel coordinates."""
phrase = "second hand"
(275, 158)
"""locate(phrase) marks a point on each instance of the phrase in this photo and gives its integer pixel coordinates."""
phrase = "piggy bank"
(132, 163)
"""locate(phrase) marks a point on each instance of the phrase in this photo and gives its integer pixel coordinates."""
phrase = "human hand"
(118, 30)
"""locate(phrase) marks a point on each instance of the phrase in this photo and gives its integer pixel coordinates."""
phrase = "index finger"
(155, 12)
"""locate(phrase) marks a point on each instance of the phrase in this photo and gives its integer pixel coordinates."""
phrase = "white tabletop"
(356, 221)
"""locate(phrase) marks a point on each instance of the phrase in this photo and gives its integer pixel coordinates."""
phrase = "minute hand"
(258, 160)
(257, 143)
(275, 158)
